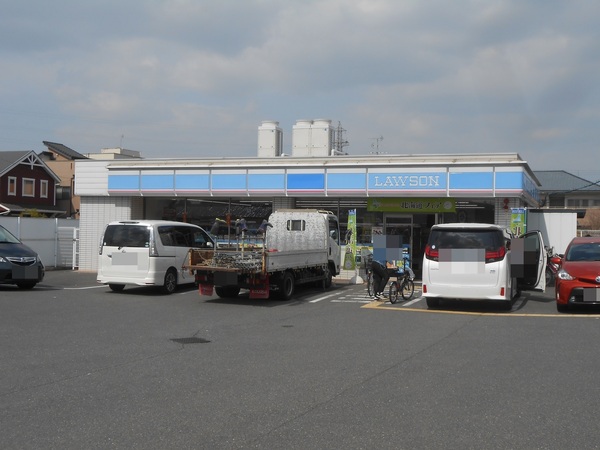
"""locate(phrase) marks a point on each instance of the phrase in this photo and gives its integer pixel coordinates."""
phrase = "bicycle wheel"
(408, 289)
(393, 291)
(370, 286)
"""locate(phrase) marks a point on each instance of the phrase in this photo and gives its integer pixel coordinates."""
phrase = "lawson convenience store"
(399, 196)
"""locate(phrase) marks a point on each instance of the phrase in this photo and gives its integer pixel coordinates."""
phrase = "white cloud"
(430, 77)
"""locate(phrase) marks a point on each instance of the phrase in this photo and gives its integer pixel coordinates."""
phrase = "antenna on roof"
(375, 144)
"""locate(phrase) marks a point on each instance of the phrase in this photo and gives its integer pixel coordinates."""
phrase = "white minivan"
(475, 261)
(148, 253)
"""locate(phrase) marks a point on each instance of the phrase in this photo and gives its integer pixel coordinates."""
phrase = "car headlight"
(564, 275)
(2, 259)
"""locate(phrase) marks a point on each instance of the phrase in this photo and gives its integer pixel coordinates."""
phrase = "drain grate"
(191, 340)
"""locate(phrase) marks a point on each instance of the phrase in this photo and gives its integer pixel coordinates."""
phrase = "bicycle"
(403, 285)
(370, 278)
(370, 282)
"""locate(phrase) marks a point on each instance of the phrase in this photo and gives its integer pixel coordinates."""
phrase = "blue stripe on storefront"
(509, 180)
(389, 182)
(471, 180)
(266, 181)
(346, 181)
(228, 182)
(306, 182)
(192, 182)
(123, 182)
(157, 182)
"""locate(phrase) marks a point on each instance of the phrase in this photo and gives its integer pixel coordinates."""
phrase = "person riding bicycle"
(381, 276)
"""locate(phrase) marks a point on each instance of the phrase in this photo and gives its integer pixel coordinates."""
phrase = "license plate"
(591, 295)
(25, 273)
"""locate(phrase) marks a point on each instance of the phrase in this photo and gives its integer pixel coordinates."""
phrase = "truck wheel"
(328, 278)
(116, 287)
(26, 284)
(227, 291)
(286, 286)
(170, 283)
(325, 282)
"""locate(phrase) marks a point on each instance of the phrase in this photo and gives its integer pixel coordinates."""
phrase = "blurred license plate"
(25, 272)
(591, 295)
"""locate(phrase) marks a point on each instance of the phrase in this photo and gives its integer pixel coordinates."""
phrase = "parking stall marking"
(316, 300)
(81, 288)
(352, 300)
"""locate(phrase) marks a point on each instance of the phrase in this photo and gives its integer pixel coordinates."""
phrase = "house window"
(28, 187)
(44, 188)
(12, 185)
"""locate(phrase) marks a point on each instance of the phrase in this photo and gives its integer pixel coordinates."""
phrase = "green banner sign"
(518, 221)
(350, 256)
(412, 205)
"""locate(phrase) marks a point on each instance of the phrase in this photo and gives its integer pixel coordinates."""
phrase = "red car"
(578, 279)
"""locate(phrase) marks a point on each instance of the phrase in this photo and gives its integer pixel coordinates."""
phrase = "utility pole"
(338, 141)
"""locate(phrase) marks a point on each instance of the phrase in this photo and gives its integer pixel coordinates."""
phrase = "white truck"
(298, 246)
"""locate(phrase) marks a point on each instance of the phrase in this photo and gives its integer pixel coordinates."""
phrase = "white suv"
(474, 261)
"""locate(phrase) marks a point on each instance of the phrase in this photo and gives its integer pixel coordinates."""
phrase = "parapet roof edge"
(439, 159)
(408, 160)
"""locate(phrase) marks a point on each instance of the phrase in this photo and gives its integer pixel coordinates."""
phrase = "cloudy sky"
(195, 78)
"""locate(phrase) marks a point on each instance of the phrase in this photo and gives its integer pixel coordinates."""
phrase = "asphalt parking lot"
(85, 367)
(530, 303)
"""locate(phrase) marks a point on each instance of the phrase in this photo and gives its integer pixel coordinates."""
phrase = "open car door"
(531, 253)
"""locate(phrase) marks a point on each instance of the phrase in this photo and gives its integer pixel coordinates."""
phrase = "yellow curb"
(379, 305)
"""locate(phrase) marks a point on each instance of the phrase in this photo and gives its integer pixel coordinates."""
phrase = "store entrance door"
(399, 232)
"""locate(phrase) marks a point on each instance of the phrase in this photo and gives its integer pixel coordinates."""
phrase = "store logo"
(408, 181)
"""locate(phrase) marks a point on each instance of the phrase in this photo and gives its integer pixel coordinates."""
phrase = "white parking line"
(323, 298)
(418, 299)
(80, 288)
(350, 301)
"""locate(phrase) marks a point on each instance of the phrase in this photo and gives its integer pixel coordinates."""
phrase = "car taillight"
(432, 254)
(152, 245)
(495, 255)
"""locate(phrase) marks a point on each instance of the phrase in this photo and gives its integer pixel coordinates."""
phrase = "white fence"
(588, 233)
(55, 240)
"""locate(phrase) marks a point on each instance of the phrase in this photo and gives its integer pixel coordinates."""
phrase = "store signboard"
(412, 205)
(398, 181)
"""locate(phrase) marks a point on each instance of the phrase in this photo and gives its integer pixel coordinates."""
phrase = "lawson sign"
(430, 181)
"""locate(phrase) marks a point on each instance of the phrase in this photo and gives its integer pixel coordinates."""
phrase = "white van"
(148, 253)
(474, 261)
